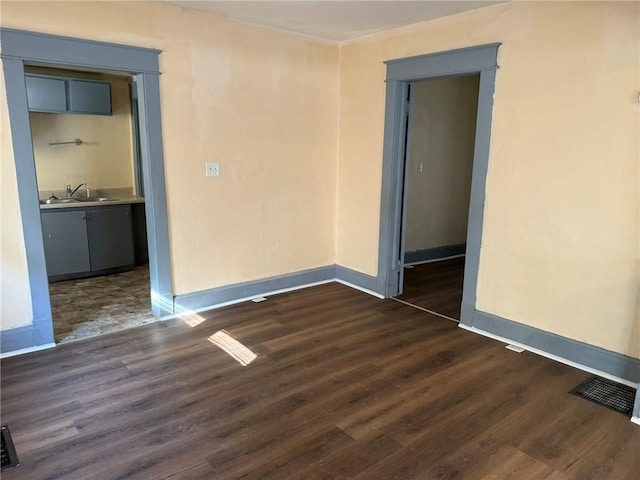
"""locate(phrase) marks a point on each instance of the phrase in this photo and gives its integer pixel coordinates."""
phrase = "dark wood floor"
(344, 386)
(436, 286)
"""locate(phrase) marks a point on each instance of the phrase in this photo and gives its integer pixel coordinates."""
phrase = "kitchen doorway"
(439, 151)
(21, 48)
(85, 144)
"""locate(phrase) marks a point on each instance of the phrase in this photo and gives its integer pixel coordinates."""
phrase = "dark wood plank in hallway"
(436, 286)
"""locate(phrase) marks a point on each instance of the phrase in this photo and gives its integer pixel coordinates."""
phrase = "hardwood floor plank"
(436, 286)
(345, 386)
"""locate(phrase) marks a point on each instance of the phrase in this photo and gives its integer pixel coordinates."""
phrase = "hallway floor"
(87, 307)
(436, 286)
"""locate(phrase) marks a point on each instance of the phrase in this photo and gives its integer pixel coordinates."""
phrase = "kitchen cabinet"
(110, 237)
(67, 95)
(85, 242)
(46, 94)
(65, 242)
(89, 97)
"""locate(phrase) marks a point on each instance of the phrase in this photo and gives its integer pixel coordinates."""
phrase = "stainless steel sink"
(55, 201)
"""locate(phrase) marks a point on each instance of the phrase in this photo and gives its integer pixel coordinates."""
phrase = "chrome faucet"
(70, 192)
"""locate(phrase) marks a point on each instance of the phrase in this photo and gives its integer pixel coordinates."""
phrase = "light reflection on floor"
(191, 318)
(233, 347)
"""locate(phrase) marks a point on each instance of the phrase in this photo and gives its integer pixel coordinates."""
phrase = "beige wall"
(560, 250)
(15, 296)
(561, 232)
(104, 160)
(262, 103)
(443, 123)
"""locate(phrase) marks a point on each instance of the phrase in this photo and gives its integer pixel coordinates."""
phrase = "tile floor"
(93, 306)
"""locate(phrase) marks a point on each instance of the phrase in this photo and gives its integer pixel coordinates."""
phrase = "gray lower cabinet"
(80, 243)
(65, 242)
(110, 235)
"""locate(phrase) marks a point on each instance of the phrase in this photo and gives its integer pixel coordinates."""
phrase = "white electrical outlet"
(212, 169)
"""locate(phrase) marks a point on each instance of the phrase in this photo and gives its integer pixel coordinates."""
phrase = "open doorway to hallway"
(440, 136)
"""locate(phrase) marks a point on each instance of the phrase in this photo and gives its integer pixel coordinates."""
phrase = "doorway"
(439, 143)
(85, 138)
(20, 48)
(401, 73)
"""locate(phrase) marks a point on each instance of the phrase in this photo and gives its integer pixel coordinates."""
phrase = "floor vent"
(607, 393)
(8, 452)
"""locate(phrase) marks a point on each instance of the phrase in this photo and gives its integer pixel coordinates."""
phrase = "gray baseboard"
(39, 333)
(636, 405)
(358, 279)
(428, 254)
(616, 364)
(202, 300)
(236, 292)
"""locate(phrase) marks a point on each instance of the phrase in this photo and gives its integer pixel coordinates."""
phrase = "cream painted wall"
(262, 103)
(15, 295)
(104, 160)
(443, 123)
(560, 250)
(561, 233)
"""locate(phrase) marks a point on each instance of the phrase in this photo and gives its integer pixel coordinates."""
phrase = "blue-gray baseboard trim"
(38, 333)
(355, 278)
(239, 291)
(612, 363)
(428, 254)
(635, 417)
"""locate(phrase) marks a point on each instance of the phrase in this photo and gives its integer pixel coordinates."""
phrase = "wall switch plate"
(212, 169)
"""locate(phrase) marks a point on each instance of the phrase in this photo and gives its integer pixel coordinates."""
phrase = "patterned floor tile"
(94, 306)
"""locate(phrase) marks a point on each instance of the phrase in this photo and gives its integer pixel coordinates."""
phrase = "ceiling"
(334, 21)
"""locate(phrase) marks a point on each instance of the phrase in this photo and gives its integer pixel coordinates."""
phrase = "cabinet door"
(110, 237)
(89, 97)
(65, 242)
(46, 94)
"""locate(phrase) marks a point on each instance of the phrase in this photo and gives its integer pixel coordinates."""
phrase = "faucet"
(71, 192)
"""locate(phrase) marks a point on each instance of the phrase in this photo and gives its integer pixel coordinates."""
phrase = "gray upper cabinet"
(89, 97)
(67, 95)
(46, 94)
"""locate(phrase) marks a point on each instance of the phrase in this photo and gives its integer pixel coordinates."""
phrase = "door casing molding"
(480, 60)
(22, 47)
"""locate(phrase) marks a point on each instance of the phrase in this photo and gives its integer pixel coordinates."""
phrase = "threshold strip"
(426, 310)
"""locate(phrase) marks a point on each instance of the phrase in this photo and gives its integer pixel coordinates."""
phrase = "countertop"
(117, 197)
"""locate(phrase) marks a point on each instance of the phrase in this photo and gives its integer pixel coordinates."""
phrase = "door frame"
(400, 73)
(20, 47)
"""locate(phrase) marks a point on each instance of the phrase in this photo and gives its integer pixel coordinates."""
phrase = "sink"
(55, 201)
(97, 199)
